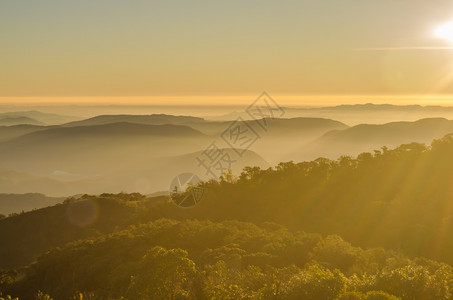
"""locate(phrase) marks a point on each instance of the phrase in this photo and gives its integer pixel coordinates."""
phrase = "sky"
(66, 51)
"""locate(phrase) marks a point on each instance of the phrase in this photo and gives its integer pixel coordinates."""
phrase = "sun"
(445, 31)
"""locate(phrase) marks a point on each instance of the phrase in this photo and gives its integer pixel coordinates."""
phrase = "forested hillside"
(377, 226)
(168, 259)
(400, 199)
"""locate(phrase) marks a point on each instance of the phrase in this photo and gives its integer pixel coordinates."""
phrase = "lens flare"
(445, 31)
(82, 213)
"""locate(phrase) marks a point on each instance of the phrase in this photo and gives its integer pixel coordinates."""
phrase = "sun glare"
(445, 31)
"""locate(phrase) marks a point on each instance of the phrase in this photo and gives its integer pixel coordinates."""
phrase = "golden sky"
(59, 51)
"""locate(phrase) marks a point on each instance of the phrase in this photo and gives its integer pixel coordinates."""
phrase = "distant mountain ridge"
(11, 132)
(38, 116)
(116, 129)
(146, 175)
(274, 126)
(372, 106)
(356, 113)
(19, 120)
(154, 119)
(368, 137)
(423, 128)
(83, 156)
(16, 203)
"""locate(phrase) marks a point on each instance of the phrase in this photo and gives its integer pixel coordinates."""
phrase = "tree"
(414, 282)
(372, 295)
(8, 297)
(41, 296)
(163, 274)
(315, 282)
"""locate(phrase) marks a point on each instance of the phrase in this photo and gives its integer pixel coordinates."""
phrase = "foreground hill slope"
(168, 259)
(399, 199)
(43, 229)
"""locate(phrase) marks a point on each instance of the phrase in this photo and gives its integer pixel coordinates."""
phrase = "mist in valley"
(62, 152)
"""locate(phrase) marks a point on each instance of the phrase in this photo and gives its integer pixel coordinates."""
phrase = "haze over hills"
(72, 159)
(377, 113)
(10, 121)
(142, 156)
(314, 195)
(403, 225)
(14, 182)
(154, 119)
(274, 126)
(113, 155)
(115, 133)
(16, 203)
(351, 114)
(136, 153)
(94, 149)
(145, 175)
(354, 114)
(43, 118)
(366, 138)
(277, 125)
(11, 132)
(288, 133)
(156, 174)
(114, 129)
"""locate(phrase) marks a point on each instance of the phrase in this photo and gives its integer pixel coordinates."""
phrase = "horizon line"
(403, 48)
(232, 100)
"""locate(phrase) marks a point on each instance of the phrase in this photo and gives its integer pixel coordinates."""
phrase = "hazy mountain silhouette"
(112, 157)
(11, 121)
(88, 150)
(372, 113)
(155, 119)
(211, 127)
(38, 116)
(156, 174)
(89, 140)
(142, 174)
(274, 126)
(10, 132)
(16, 203)
(289, 134)
(387, 107)
(366, 137)
(278, 136)
(63, 140)
(20, 182)
(117, 129)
